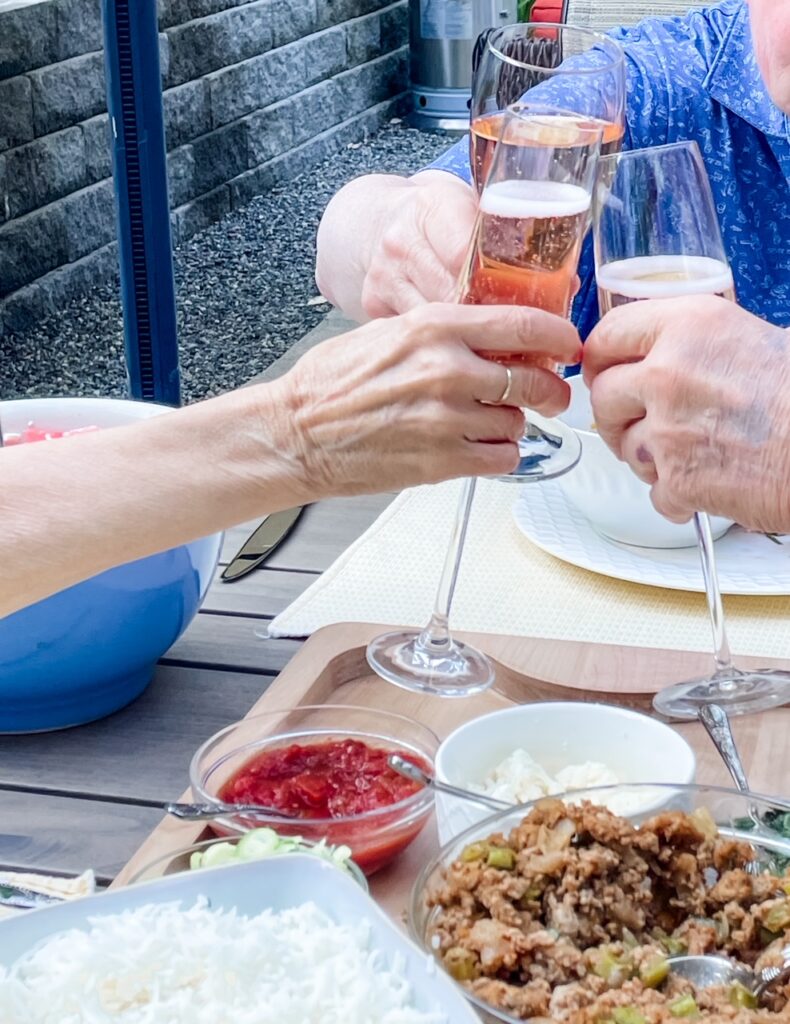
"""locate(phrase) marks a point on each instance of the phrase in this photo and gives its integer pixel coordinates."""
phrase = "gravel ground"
(244, 287)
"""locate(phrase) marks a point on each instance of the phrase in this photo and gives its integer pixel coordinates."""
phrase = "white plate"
(278, 883)
(748, 563)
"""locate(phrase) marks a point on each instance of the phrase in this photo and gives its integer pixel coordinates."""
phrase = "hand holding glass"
(534, 213)
(657, 236)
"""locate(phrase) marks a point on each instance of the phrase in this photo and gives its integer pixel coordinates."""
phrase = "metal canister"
(443, 35)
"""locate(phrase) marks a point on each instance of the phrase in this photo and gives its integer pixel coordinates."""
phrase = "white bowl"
(607, 493)
(636, 747)
(278, 883)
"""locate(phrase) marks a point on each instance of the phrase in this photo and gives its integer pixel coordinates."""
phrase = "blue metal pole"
(134, 99)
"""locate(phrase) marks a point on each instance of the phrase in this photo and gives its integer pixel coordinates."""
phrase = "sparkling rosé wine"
(528, 238)
(662, 277)
(565, 132)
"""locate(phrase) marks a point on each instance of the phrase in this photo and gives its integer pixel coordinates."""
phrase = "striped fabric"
(604, 14)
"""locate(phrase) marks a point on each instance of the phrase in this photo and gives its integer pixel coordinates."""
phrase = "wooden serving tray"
(331, 669)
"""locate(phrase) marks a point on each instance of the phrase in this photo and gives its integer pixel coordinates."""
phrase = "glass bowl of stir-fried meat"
(562, 911)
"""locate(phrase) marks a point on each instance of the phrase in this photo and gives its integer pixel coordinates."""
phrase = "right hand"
(403, 401)
(408, 248)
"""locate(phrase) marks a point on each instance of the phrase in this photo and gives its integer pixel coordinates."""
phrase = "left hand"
(694, 394)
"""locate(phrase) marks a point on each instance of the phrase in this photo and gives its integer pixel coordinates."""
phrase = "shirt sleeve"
(456, 161)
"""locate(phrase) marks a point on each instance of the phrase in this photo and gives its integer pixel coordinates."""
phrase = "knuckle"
(497, 459)
(394, 243)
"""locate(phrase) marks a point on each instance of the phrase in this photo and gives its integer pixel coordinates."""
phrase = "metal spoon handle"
(411, 771)
(717, 724)
(771, 976)
(204, 812)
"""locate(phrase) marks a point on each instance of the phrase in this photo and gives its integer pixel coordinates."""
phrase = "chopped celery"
(461, 964)
(474, 851)
(675, 947)
(742, 998)
(778, 918)
(654, 971)
(605, 965)
(684, 1006)
(627, 1015)
(501, 857)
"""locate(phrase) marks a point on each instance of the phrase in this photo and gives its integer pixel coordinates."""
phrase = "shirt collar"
(735, 81)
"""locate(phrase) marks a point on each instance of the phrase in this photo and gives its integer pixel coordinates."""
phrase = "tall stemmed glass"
(533, 216)
(657, 236)
(569, 68)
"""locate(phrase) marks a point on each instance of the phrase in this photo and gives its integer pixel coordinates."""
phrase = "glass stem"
(721, 647)
(436, 635)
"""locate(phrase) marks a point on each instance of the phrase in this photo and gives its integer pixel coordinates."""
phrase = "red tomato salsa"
(332, 779)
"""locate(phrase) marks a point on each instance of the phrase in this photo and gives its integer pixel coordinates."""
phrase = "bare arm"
(387, 244)
(393, 404)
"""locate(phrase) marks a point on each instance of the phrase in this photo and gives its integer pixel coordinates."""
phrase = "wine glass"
(532, 219)
(559, 65)
(564, 67)
(657, 236)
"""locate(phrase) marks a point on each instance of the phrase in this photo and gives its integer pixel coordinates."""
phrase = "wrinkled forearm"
(75, 507)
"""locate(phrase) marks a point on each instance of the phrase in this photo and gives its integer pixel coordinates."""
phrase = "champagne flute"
(532, 219)
(657, 236)
(535, 62)
(564, 67)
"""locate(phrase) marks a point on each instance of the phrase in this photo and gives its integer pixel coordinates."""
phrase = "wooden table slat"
(142, 751)
(62, 835)
(231, 642)
(264, 593)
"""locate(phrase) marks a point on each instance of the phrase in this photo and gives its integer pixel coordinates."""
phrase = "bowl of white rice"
(287, 940)
(523, 753)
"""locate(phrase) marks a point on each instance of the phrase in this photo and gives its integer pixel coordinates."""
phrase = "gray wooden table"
(87, 797)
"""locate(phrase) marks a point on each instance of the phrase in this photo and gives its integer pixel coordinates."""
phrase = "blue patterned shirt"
(695, 77)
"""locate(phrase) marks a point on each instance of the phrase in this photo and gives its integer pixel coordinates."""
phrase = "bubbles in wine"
(662, 277)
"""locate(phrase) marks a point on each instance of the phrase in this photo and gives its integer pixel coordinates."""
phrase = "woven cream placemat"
(508, 586)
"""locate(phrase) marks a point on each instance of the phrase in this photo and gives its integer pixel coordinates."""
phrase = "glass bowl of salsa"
(324, 768)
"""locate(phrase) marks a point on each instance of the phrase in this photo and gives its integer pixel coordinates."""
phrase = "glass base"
(548, 449)
(738, 693)
(446, 668)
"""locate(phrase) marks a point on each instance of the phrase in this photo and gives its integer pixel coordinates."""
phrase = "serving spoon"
(717, 725)
(204, 812)
(410, 771)
(704, 971)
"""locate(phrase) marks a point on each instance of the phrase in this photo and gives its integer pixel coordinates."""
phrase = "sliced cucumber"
(261, 842)
(218, 853)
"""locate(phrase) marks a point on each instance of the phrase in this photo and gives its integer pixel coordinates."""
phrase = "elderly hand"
(404, 401)
(387, 244)
(692, 393)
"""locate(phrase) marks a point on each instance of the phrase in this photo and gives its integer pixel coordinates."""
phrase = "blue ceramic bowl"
(89, 650)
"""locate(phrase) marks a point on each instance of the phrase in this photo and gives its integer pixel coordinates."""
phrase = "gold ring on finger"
(508, 387)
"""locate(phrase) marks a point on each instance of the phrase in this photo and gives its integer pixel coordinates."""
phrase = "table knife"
(265, 539)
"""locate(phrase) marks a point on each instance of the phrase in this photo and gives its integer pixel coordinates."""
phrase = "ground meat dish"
(573, 915)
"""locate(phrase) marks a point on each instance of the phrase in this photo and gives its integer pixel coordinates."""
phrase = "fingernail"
(643, 455)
